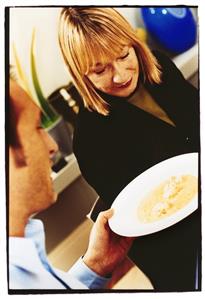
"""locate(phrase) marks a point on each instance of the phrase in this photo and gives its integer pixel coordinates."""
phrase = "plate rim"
(191, 207)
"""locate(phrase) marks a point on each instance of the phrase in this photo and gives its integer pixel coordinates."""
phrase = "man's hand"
(106, 249)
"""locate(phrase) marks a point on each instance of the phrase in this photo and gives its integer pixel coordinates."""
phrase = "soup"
(167, 198)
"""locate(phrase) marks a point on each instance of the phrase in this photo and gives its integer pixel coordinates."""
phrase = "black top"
(112, 150)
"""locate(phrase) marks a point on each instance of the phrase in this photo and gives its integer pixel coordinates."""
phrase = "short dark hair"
(14, 140)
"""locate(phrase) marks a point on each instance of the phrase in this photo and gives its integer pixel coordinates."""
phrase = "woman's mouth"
(125, 85)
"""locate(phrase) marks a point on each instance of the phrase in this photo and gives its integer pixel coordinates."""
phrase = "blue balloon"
(174, 28)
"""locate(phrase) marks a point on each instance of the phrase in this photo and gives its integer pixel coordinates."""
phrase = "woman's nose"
(118, 74)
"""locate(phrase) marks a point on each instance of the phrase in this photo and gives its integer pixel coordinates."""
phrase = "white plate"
(125, 221)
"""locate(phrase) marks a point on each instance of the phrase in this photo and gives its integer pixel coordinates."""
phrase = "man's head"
(30, 153)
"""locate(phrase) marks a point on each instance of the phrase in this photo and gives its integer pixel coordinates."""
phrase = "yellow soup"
(169, 197)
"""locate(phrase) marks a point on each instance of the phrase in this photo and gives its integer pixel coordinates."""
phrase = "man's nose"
(52, 145)
(118, 74)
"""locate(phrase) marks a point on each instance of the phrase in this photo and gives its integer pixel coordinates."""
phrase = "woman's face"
(118, 77)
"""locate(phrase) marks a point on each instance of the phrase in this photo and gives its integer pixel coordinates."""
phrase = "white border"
(3, 3)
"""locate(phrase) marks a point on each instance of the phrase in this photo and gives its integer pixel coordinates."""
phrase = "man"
(30, 191)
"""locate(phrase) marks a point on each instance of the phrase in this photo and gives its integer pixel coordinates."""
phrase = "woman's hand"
(106, 249)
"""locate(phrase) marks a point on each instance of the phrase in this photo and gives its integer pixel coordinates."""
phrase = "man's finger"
(105, 215)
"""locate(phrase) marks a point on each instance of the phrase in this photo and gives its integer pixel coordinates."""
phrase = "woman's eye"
(124, 56)
(98, 72)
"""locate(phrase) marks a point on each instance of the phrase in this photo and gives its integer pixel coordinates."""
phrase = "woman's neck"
(143, 100)
(138, 96)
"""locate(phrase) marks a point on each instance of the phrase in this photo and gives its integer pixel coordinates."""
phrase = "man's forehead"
(20, 97)
(31, 106)
(32, 109)
(30, 114)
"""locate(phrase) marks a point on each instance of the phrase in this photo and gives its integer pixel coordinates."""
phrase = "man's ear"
(18, 156)
(15, 112)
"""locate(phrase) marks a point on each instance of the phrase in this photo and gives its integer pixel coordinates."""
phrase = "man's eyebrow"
(41, 115)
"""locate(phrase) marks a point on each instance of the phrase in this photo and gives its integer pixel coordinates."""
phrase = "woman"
(138, 110)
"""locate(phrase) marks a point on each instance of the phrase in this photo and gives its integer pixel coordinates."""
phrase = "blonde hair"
(97, 34)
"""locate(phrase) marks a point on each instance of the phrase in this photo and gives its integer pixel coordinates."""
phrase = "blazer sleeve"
(182, 92)
(173, 78)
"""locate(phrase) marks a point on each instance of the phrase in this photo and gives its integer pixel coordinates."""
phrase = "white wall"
(131, 14)
(50, 65)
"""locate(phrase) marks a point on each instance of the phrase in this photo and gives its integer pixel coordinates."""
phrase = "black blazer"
(112, 150)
